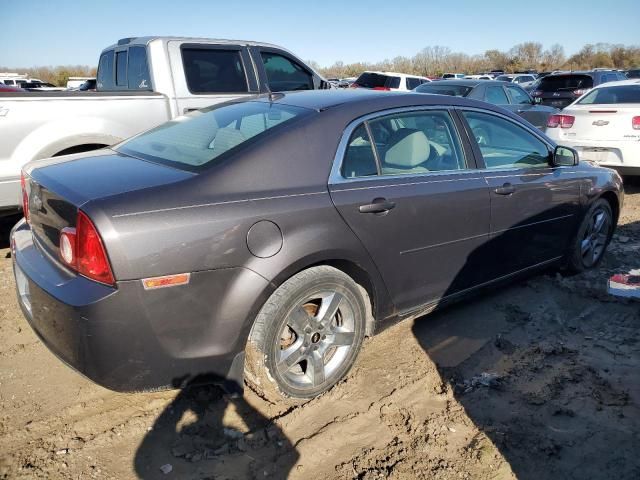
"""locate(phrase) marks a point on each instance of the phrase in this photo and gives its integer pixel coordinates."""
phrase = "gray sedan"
(508, 95)
(262, 240)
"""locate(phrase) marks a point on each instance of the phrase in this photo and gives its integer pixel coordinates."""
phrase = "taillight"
(354, 85)
(385, 89)
(536, 93)
(635, 123)
(580, 91)
(25, 196)
(562, 121)
(82, 250)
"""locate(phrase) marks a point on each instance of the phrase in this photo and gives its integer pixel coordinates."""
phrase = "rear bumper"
(624, 156)
(131, 339)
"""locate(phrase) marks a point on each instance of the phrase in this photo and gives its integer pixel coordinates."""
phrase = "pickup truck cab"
(141, 83)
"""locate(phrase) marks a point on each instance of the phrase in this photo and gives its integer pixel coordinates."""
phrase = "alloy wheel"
(595, 237)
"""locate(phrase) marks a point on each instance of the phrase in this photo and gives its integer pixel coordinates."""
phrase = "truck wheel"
(306, 336)
(593, 236)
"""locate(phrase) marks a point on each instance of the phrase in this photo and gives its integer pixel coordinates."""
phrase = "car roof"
(392, 73)
(468, 82)
(619, 83)
(124, 42)
(373, 100)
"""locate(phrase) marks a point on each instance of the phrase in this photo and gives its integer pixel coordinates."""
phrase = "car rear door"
(206, 74)
(523, 105)
(415, 200)
(534, 207)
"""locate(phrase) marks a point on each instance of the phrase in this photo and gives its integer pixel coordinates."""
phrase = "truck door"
(207, 74)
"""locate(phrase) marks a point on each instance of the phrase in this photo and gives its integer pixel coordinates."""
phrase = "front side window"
(197, 139)
(285, 75)
(211, 70)
(496, 96)
(138, 70)
(612, 95)
(104, 79)
(416, 142)
(121, 68)
(504, 144)
(518, 96)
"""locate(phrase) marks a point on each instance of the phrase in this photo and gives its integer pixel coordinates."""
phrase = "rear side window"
(138, 70)
(209, 70)
(378, 80)
(284, 74)
(439, 89)
(612, 95)
(518, 96)
(121, 68)
(496, 96)
(195, 140)
(105, 71)
(359, 159)
(556, 83)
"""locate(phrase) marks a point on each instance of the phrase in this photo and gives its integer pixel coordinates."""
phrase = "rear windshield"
(609, 95)
(440, 89)
(377, 80)
(195, 140)
(504, 78)
(556, 83)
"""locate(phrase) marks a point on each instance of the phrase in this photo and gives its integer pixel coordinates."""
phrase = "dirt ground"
(535, 380)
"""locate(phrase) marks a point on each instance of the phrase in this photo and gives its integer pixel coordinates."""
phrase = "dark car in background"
(633, 73)
(509, 96)
(270, 235)
(561, 89)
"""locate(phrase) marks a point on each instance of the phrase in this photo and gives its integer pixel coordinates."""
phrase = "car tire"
(306, 337)
(594, 234)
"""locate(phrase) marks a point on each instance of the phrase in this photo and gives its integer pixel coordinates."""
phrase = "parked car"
(561, 89)
(603, 126)
(509, 96)
(141, 82)
(41, 87)
(448, 76)
(633, 73)
(478, 77)
(88, 86)
(388, 81)
(271, 235)
(9, 88)
(523, 80)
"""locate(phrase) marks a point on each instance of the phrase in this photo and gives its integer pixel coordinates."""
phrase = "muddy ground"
(534, 380)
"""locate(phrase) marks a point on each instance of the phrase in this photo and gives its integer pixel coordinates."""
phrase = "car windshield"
(195, 140)
(609, 95)
(377, 80)
(555, 83)
(504, 78)
(440, 89)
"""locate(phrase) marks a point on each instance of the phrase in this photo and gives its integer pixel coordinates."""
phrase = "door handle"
(378, 205)
(506, 189)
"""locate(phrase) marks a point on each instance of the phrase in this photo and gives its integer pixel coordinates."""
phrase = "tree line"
(436, 60)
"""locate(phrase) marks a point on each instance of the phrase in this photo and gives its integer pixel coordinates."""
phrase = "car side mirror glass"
(565, 157)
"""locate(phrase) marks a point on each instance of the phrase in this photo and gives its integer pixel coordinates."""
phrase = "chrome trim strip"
(397, 177)
(413, 250)
(214, 204)
(533, 223)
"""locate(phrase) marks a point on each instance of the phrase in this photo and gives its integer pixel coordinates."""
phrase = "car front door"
(534, 207)
(406, 184)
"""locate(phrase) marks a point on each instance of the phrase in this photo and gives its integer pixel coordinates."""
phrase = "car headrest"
(408, 149)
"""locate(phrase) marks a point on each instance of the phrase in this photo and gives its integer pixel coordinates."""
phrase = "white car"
(452, 76)
(522, 79)
(603, 125)
(388, 81)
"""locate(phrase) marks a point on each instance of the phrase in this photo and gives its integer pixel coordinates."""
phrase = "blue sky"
(57, 32)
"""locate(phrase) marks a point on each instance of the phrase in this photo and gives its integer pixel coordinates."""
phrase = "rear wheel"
(593, 237)
(306, 336)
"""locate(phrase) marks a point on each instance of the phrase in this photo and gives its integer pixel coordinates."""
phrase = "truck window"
(121, 68)
(138, 70)
(284, 74)
(105, 71)
(211, 70)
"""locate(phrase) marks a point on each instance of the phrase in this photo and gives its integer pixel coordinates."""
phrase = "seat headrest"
(408, 149)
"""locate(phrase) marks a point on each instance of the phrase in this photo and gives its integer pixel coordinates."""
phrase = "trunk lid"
(58, 187)
(602, 122)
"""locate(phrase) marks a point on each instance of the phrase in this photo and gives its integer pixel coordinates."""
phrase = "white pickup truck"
(141, 82)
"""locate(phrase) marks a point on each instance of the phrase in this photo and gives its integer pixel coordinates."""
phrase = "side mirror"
(564, 157)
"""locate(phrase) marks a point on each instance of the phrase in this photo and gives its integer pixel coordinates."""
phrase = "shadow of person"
(205, 434)
(6, 224)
